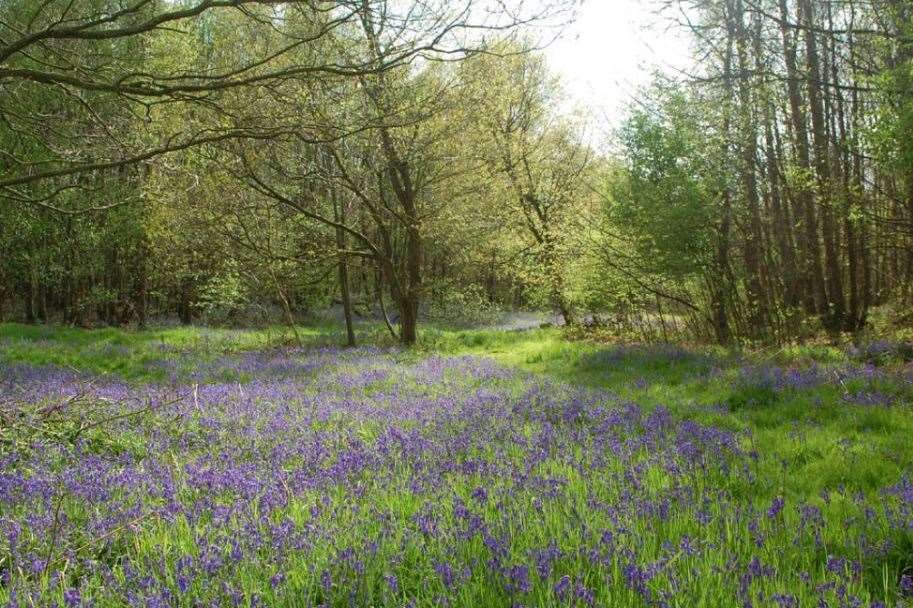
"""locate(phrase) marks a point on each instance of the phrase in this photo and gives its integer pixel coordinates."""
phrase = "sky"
(611, 49)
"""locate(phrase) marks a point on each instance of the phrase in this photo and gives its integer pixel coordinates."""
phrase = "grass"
(700, 384)
(132, 355)
(677, 378)
(813, 438)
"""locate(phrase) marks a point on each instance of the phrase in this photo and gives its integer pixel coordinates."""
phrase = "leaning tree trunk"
(379, 289)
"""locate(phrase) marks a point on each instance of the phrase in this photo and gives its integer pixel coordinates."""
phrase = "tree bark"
(379, 288)
(757, 300)
(782, 223)
(339, 211)
(409, 304)
(408, 287)
(30, 316)
(836, 310)
(812, 270)
(184, 306)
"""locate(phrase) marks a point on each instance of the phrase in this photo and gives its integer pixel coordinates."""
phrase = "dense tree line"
(251, 160)
(775, 186)
(200, 156)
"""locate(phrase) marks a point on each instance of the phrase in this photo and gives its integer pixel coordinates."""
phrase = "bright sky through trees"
(611, 50)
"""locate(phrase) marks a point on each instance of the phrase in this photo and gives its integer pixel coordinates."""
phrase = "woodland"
(248, 161)
(350, 303)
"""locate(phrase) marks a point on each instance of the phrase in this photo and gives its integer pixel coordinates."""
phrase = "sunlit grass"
(804, 441)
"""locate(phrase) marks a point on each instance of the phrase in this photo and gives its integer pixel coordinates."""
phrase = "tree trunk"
(850, 190)
(757, 301)
(408, 321)
(564, 309)
(903, 16)
(718, 284)
(43, 302)
(141, 287)
(553, 271)
(400, 174)
(865, 290)
(721, 329)
(184, 307)
(782, 223)
(341, 245)
(379, 288)
(834, 292)
(30, 316)
(409, 305)
(812, 271)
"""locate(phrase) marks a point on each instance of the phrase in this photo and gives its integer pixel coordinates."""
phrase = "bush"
(222, 297)
(465, 308)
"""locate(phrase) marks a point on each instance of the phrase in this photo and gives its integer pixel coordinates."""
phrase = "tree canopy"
(255, 159)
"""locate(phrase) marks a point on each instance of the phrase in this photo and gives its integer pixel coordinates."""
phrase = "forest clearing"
(204, 467)
(461, 303)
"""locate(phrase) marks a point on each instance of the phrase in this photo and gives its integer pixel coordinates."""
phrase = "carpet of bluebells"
(368, 477)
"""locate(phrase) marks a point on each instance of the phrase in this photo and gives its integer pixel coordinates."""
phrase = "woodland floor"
(198, 467)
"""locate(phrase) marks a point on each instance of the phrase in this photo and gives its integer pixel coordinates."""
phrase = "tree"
(392, 160)
(538, 156)
(663, 209)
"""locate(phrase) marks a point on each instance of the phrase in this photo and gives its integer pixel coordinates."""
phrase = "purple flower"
(480, 494)
(236, 553)
(757, 570)
(562, 586)
(446, 573)
(775, 507)
(72, 598)
(263, 475)
(545, 558)
(906, 585)
(785, 600)
(326, 581)
(636, 579)
(687, 546)
(518, 579)
(426, 524)
(584, 594)
(836, 565)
